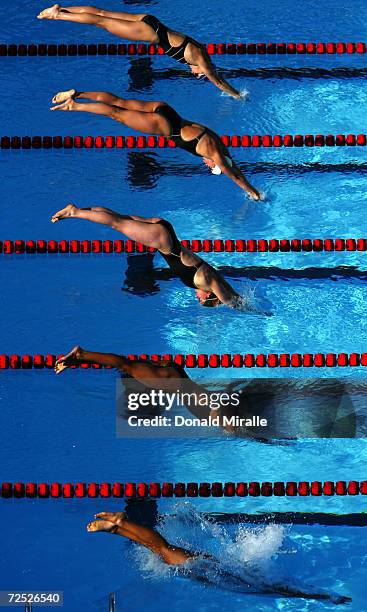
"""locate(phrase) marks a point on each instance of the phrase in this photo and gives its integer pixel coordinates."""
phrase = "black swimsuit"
(185, 273)
(175, 122)
(177, 53)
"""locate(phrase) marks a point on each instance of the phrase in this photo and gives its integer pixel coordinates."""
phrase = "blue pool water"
(63, 428)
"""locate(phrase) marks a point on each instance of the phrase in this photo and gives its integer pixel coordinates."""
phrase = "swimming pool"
(64, 428)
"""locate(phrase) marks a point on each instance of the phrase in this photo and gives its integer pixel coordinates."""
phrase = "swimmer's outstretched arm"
(223, 290)
(291, 592)
(233, 172)
(206, 67)
(117, 523)
(222, 84)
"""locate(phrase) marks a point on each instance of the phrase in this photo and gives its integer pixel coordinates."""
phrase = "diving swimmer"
(146, 28)
(117, 523)
(160, 118)
(211, 288)
(312, 408)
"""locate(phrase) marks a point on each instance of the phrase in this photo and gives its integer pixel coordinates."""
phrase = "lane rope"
(181, 489)
(161, 142)
(294, 245)
(259, 48)
(202, 360)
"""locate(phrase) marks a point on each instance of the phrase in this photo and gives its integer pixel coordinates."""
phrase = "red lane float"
(161, 142)
(226, 360)
(53, 490)
(129, 49)
(284, 245)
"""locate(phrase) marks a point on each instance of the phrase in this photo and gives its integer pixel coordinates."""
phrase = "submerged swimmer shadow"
(142, 511)
(308, 408)
(142, 278)
(143, 170)
(140, 74)
(282, 72)
(255, 273)
(289, 409)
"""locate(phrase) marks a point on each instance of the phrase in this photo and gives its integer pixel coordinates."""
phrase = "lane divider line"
(128, 49)
(161, 142)
(314, 488)
(202, 360)
(294, 245)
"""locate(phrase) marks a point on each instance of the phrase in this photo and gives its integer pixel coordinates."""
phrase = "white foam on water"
(240, 562)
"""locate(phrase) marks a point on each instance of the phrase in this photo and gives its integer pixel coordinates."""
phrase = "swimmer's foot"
(64, 213)
(63, 96)
(67, 105)
(68, 360)
(113, 517)
(102, 526)
(50, 13)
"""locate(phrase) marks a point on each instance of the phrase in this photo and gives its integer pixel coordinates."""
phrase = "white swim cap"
(216, 170)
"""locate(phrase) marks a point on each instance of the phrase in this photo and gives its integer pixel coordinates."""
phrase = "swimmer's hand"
(340, 599)
(236, 96)
(254, 194)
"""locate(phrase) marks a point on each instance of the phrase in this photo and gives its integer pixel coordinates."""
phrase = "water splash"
(249, 302)
(245, 95)
(243, 562)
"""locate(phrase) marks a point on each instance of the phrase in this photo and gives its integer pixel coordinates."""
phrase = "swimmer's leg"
(103, 13)
(151, 234)
(141, 121)
(109, 211)
(123, 28)
(107, 98)
(145, 536)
